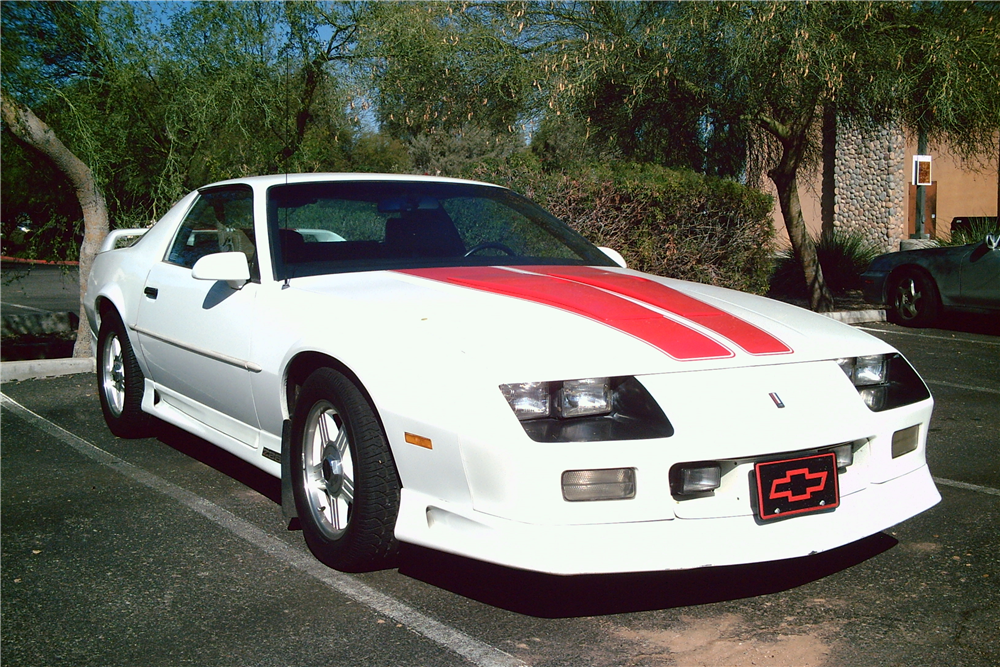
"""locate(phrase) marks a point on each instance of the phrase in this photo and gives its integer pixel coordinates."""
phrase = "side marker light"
(419, 441)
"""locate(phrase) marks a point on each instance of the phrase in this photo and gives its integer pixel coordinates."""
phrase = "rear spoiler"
(111, 240)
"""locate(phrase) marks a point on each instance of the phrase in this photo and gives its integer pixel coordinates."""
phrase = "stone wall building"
(869, 185)
(863, 185)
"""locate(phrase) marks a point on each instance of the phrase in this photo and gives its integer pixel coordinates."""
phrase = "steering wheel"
(495, 245)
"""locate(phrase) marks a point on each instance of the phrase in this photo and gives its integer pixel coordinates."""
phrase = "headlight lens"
(577, 398)
(528, 400)
(865, 371)
(587, 410)
(884, 381)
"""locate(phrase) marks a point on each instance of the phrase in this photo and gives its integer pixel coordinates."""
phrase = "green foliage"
(453, 153)
(35, 220)
(673, 223)
(974, 232)
(159, 99)
(437, 66)
(563, 140)
(843, 255)
(380, 153)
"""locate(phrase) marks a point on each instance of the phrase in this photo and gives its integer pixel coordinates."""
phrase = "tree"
(155, 104)
(30, 129)
(763, 72)
(441, 67)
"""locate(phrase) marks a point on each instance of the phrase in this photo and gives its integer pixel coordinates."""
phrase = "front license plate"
(796, 486)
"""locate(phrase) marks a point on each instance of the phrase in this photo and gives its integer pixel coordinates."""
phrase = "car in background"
(917, 286)
(442, 363)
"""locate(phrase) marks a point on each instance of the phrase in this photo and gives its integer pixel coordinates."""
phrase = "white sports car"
(442, 363)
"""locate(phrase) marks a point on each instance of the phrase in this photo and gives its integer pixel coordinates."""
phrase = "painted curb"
(857, 316)
(34, 369)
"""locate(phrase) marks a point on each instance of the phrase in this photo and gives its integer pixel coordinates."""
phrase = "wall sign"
(921, 170)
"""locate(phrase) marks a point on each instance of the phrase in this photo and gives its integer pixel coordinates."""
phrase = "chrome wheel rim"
(113, 374)
(328, 469)
(909, 299)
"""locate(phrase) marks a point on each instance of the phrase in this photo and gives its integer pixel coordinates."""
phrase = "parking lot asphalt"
(168, 551)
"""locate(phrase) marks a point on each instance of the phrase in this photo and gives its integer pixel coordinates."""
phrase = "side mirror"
(615, 256)
(232, 267)
(992, 241)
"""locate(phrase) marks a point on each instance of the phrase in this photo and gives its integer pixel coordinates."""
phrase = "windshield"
(343, 226)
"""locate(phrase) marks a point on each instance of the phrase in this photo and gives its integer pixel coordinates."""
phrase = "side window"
(220, 221)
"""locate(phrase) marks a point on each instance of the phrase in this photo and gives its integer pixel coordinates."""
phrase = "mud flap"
(287, 497)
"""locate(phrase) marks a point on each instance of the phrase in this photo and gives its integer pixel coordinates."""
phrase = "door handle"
(151, 292)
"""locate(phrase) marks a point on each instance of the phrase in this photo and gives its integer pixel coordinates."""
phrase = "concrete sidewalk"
(34, 369)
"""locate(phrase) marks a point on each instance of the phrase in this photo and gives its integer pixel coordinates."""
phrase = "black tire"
(120, 383)
(344, 481)
(915, 301)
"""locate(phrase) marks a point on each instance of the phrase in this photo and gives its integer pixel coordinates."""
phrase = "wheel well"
(913, 268)
(304, 364)
(104, 307)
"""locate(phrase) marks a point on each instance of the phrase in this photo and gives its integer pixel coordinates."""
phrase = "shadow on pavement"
(973, 323)
(218, 458)
(550, 596)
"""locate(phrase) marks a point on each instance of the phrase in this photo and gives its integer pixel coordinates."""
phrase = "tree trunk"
(820, 298)
(30, 129)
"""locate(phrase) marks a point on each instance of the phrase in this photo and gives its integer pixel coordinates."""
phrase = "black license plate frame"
(796, 486)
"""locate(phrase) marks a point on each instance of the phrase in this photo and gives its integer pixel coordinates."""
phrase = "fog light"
(612, 484)
(905, 441)
(690, 479)
(845, 455)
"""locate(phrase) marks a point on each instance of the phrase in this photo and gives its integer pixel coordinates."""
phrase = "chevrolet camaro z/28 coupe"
(443, 363)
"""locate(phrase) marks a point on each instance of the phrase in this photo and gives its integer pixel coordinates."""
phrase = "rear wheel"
(915, 299)
(343, 475)
(120, 382)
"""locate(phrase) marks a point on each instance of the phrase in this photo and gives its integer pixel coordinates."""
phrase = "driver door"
(981, 275)
(195, 334)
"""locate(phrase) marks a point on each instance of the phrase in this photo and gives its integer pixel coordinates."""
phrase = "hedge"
(668, 222)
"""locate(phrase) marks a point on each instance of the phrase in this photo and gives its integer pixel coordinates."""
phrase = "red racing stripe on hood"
(673, 338)
(752, 339)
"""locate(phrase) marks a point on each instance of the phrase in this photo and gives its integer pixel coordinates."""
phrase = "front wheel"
(119, 381)
(343, 476)
(915, 300)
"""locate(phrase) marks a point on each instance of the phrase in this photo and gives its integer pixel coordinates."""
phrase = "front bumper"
(673, 544)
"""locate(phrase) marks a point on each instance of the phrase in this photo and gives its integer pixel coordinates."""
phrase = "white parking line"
(962, 386)
(17, 305)
(893, 332)
(968, 487)
(473, 650)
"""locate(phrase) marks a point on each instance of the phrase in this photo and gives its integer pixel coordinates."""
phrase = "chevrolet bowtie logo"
(798, 484)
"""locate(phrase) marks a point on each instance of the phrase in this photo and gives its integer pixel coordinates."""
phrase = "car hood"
(561, 322)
